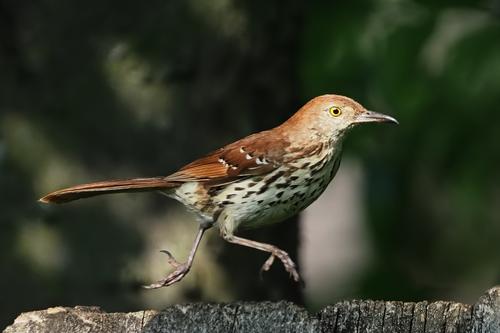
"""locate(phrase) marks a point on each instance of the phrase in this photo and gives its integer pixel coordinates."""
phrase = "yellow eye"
(334, 111)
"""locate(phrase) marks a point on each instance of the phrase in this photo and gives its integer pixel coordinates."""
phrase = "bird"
(259, 180)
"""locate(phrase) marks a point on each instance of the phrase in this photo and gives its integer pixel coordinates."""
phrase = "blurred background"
(95, 90)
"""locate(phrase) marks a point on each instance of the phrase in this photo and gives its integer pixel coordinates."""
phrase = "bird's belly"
(271, 210)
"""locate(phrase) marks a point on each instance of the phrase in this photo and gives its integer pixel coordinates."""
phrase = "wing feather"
(256, 154)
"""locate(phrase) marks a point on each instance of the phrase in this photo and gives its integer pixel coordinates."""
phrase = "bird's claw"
(181, 269)
(267, 265)
(177, 275)
(290, 266)
(171, 259)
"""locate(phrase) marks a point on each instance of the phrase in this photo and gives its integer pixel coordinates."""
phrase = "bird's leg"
(275, 252)
(181, 269)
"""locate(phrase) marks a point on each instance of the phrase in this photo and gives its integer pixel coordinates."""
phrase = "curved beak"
(370, 117)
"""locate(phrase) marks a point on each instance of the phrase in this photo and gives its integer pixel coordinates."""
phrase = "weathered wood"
(346, 316)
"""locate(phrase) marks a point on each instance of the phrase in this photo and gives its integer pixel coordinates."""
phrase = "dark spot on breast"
(293, 187)
(238, 188)
(315, 171)
(252, 184)
(334, 168)
(248, 194)
(282, 185)
(272, 203)
(279, 194)
(305, 165)
(270, 180)
(227, 202)
(316, 165)
(229, 196)
(260, 201)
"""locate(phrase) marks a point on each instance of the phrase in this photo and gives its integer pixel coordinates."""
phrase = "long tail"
(105, 187)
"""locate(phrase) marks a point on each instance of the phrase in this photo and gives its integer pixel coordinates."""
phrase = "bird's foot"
(181, 269)
(290, 266)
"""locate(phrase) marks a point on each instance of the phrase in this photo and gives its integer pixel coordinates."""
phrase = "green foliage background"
(93, 90)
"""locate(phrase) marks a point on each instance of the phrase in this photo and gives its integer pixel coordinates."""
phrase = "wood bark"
(346, 316)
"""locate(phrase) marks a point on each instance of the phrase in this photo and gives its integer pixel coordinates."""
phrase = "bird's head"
(333, 115)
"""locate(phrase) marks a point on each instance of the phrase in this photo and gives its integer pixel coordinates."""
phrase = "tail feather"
(105, 187)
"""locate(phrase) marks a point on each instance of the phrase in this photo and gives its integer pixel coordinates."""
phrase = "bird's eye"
(334, 111)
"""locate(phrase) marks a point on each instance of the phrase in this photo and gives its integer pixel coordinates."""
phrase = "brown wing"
(256, 154)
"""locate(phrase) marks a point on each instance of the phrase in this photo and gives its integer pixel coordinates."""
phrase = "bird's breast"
(255, 201)
(282, 193)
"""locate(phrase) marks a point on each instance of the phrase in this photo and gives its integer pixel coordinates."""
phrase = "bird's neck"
(311, 144)
(302, 136)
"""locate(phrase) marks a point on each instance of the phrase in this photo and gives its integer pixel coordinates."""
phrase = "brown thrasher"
(258, 180)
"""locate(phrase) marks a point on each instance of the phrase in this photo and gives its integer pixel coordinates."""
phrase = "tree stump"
(345, 316)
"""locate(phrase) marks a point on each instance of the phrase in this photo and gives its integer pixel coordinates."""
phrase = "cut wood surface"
(345, 316)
